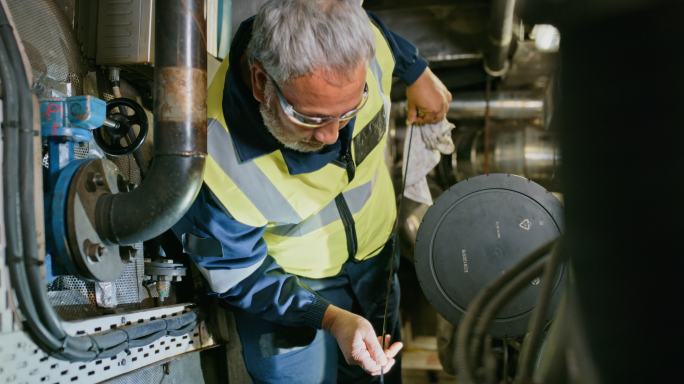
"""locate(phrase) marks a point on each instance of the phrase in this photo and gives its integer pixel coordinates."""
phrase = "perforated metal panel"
(24, 362)
(50, 45)
(74, 298)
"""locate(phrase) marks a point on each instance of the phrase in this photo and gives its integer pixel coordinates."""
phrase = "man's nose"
(328, 133)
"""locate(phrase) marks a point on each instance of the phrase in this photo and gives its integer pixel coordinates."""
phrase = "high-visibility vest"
(314, 221)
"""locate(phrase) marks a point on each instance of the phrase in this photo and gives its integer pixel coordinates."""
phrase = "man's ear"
(258, 78)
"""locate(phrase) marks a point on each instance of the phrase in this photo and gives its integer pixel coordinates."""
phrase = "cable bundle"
(23, 260)
(489, 301)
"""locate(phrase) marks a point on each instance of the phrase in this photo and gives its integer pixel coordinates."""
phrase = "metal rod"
(502, 105)
(500, 36)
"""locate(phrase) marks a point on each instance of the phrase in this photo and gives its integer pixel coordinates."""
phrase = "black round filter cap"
(477, 230)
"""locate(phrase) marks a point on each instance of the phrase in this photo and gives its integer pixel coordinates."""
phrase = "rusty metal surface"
(182, 88)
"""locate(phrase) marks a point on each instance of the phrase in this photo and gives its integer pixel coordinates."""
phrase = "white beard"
(269, 115)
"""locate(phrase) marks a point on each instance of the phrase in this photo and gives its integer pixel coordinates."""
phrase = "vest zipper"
(348, 222)
(349, 164)
(343, 208)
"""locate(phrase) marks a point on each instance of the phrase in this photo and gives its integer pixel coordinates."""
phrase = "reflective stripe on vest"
(356, 198)
(304, 230)
(248, 177)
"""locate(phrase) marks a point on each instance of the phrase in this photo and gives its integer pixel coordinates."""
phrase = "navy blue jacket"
(244, 275)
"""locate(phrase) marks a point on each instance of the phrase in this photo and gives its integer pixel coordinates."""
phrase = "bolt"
(95, 180)
(95, 251)
(163, 288)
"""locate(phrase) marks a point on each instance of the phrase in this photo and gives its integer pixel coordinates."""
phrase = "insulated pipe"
(180, 130)
(499, 37)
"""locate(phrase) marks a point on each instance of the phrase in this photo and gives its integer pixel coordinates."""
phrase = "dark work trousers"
(280, 354)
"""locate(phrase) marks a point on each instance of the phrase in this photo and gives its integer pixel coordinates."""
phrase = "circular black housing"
(474, 232)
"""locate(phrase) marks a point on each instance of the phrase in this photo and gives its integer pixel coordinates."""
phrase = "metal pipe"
(502, 105)
(499, 37)
(180, 131)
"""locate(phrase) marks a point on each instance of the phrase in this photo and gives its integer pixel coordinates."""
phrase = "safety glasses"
(316, 121)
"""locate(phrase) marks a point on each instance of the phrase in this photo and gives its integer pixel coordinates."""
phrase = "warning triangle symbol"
(525, 224)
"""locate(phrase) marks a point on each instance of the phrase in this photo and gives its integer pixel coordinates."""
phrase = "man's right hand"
(358, 342)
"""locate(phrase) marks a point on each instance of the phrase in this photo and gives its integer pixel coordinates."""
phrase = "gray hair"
(292, 38)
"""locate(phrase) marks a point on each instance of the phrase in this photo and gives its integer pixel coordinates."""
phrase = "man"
(292, 226)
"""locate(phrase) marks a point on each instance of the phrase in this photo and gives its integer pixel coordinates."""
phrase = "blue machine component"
(64, 122)
(56, 222)
(72, 117)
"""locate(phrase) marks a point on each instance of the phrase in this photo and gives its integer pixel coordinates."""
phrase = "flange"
(94, 258)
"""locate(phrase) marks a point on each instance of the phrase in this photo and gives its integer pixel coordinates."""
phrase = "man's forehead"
(323, 93)
(330, 77)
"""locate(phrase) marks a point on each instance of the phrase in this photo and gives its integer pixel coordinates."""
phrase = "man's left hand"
(427, 99)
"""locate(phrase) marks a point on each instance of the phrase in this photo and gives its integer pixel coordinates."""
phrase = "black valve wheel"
(124, 138)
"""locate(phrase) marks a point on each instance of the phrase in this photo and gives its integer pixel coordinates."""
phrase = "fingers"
(411, 113)
(390, 353)
(424, 116)
(390, 350)
(368, 364)
(384, 369)
(384, 345)
(428, 117)
(394, 349)
(375, 350)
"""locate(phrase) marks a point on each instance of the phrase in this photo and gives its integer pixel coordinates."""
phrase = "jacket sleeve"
(244, 275)
(409, 65)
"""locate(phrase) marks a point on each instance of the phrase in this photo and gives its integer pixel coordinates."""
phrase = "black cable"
(146, 329)
(182, 330)
(11, 198)
(139, 342)
(501, 298)
(394, 245)
(107, 353)
(463, 360)
(23, 259)
(180, 321)
(24, 105)
(538, 320)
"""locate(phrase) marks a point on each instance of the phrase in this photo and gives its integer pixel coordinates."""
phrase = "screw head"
(95, 180)
(94, 251)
